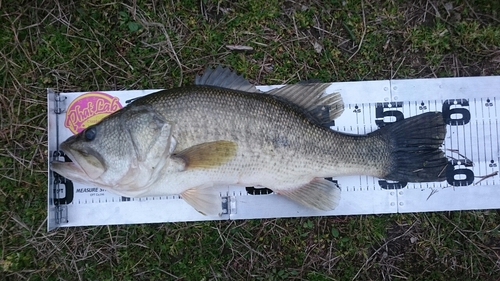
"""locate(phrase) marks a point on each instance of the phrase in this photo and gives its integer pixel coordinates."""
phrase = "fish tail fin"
(414, 145)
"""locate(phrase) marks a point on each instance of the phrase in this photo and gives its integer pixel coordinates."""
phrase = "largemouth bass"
(223, 131)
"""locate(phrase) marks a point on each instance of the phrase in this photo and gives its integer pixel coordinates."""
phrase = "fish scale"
(311, 143)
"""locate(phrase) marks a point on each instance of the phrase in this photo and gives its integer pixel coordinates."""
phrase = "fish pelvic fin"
(320, 194)
(414, 147)
(207, 155)
(206, 203)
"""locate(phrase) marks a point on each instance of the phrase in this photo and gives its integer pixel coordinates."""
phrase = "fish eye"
(90, 133)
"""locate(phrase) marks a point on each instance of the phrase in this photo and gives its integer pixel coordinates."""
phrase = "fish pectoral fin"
(225, 78)
(318, 194)
(206, 203)
(207, 155)
(312, 99)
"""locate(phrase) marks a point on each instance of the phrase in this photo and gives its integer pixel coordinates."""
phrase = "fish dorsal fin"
(207, 155)
(225, 78)
(310, 97)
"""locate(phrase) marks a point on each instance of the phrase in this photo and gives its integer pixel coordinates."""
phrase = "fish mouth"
(73, 163)
(70, 170)
(84, 164)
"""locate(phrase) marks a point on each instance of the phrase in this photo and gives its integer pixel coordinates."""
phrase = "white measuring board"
(469, 107)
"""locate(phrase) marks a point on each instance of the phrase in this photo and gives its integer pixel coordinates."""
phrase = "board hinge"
(59, 102)
(228, 205)
(62, 190)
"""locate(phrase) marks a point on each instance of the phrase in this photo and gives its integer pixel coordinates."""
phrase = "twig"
(364, 31)
(399, 66)
(142, 19)
(434, 191)
(495, 173)
(456, 151)
(378, 250)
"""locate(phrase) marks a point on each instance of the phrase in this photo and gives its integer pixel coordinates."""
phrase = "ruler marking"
(415, 106)
(463, 141)
(363, 120)
(468, 138)
(491, 135)
(492, 150)
(357, 119)
(476, 161)
(364, 107)
(451, 129)
(486, 147)
(481, 105)
(370, 122)
(496, 121)
(488, 123)
(484, 141)
(445, 147)
(357, 124)
(497, 158)
(472, 156)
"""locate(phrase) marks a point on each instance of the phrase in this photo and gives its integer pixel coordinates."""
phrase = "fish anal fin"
(225, 78)
(208, 155)
(311, 98)
(206, 203)
(318, 194)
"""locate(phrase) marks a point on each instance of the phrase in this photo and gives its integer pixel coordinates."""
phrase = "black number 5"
(382, 112)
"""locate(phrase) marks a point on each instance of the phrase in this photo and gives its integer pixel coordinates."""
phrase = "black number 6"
(450, 114)
(451, 173)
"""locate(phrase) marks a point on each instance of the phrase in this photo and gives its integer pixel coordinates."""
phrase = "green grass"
(104, 45)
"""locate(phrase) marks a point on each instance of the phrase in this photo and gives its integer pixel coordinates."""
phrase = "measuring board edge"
(248, 206)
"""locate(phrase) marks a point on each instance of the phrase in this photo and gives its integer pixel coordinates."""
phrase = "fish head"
(122, 153)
